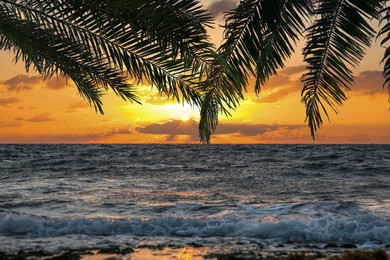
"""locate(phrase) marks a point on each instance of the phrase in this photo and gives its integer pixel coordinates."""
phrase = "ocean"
(57, 197)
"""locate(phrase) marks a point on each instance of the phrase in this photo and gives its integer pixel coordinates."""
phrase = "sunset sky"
(36, 111)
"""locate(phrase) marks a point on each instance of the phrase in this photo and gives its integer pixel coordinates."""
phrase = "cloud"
(119, 131)
(75, 106)
(219, 7)
(156, 99)
(39, 118)
(56, 83)
(25, 82)
(251, 130)
(279, 86)
(369, 83)
(173, 127)
(4, 102)
(60, 138)
(151, 96)
(276, 96)
(176, 127)
(21, 82)
(294, 70)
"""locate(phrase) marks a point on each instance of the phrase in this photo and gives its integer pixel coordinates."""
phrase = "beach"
(201, 253)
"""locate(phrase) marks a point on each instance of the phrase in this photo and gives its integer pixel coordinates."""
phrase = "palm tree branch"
(258, 40)
(220, 92)
(142, 60)
(336, 40)
(385, 31)
(149, 16)
(29, 40)
(284, 23)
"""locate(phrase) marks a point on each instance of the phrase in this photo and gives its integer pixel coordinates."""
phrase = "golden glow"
(36, 111)
(166, 254)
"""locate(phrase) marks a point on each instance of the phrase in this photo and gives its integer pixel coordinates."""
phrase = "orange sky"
(37, 111)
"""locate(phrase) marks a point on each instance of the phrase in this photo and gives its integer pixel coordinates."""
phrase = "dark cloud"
(21, 82)
(190, 127)
(368, 83)
(175, 127)
(4, 102)
(219, 7)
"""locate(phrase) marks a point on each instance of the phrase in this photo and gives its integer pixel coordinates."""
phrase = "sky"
(36, 111)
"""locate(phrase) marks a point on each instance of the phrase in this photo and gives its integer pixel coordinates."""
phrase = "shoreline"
(198, 252)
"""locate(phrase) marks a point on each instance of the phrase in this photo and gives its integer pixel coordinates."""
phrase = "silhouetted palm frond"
(259, 36)
(336, 41)
(53, 54)
(385, 31)
(67, 36)
(165, 43)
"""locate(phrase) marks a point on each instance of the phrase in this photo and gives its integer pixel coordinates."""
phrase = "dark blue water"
(59, 196)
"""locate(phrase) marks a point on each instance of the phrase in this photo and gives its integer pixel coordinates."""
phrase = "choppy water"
(60, 196)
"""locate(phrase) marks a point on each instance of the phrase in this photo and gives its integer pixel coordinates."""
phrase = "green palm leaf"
(260, 35)
(336, 41)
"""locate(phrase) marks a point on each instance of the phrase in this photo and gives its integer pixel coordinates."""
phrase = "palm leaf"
(50, 54)
(176, 25)
(385, 31)
(260, 35)
(336, 41)
(113, 41)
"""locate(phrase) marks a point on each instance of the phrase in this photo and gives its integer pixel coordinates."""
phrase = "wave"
(363, 229)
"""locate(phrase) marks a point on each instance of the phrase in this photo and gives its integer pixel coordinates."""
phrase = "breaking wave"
(368, 228)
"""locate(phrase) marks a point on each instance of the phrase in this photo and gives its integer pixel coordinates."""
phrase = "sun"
(185, 118)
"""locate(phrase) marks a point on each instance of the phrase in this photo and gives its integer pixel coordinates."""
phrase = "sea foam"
(368, 228)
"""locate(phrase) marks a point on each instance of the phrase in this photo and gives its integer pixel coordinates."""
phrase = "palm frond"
(174, 74)
(51, 54)
(336, 41)
(260, 35)
(385, 31)
(176, 25)
(220, 97)
(113, 41)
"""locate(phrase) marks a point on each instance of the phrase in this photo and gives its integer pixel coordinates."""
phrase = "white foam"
(363, 229)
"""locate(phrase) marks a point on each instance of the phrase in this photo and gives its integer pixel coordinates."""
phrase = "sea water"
(55, 197)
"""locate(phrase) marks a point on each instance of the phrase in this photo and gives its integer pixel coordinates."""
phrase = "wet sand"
(200, 253)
